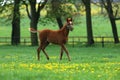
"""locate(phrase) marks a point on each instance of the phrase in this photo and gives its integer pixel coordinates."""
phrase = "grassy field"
(87, 63)
(93, 63)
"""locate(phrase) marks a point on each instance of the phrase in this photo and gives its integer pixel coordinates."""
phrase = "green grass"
(93, 63)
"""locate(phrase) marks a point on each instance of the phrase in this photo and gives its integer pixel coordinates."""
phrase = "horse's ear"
(69, 19)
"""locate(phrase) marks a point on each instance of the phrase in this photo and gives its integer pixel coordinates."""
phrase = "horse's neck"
(65, 30)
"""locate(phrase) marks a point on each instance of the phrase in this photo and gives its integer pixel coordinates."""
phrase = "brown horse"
(59, 37)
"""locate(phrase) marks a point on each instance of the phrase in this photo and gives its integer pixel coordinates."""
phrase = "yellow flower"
(92, 70)
(99, 75)
(83, 69)
(23, 65)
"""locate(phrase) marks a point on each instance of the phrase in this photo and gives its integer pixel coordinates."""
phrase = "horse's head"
(69, 24)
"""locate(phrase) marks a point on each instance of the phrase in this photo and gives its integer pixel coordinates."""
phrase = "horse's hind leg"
(43, 49)
(61, 54)
(64, 48)
(38, 51)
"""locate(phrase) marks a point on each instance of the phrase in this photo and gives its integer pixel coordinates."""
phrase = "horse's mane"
(64, 26)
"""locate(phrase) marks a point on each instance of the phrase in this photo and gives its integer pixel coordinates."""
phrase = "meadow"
(91, 63)
(87, 63)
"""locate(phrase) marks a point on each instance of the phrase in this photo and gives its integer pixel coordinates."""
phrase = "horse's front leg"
(61, 53)
(64, 48)
(38, 51)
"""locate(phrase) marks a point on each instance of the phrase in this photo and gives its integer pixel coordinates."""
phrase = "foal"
(59, 37)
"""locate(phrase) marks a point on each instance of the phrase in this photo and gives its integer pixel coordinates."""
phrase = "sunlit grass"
(96, 63)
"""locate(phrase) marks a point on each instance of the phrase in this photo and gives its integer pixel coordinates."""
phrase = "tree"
(102, 6)
(6, 8)
(15, 37)
(108, 6)
(87, 4)
(55, 10)
(7, 5)
(34, 15)
(60, 9)
(2, 4)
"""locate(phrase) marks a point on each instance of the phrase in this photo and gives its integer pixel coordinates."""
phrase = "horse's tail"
(33, 30)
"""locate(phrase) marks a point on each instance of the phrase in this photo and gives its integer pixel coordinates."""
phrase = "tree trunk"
(34, 15)
(114, 30)
(33, 23)
(59, 21)
(112, 21)
(34, 37)
(15, 37)
(102, 7)
(55, 10)
(89, 23)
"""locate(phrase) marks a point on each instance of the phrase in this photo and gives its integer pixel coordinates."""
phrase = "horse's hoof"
(48, 58)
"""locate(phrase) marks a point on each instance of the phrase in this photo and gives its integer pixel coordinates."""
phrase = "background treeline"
(56, 11)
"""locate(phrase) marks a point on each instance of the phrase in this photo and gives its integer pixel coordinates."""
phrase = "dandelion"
(92, 70)
(12, 66)
(99, 76)
(30, 68)
(83, 69)
(23, 65)
(38, 66)
(77, 68)
(48, 66)
(117, 69)
(32, 65)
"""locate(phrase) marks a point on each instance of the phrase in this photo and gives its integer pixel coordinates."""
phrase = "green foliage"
(45, 21)
(60, 9)
(95, 63)
(8, 9)
(116, 9)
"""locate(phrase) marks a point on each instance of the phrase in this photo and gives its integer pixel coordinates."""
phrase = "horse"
(59, 37)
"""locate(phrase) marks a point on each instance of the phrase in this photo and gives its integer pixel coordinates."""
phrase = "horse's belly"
(56, 38)
(57, 41)
(54, 41)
